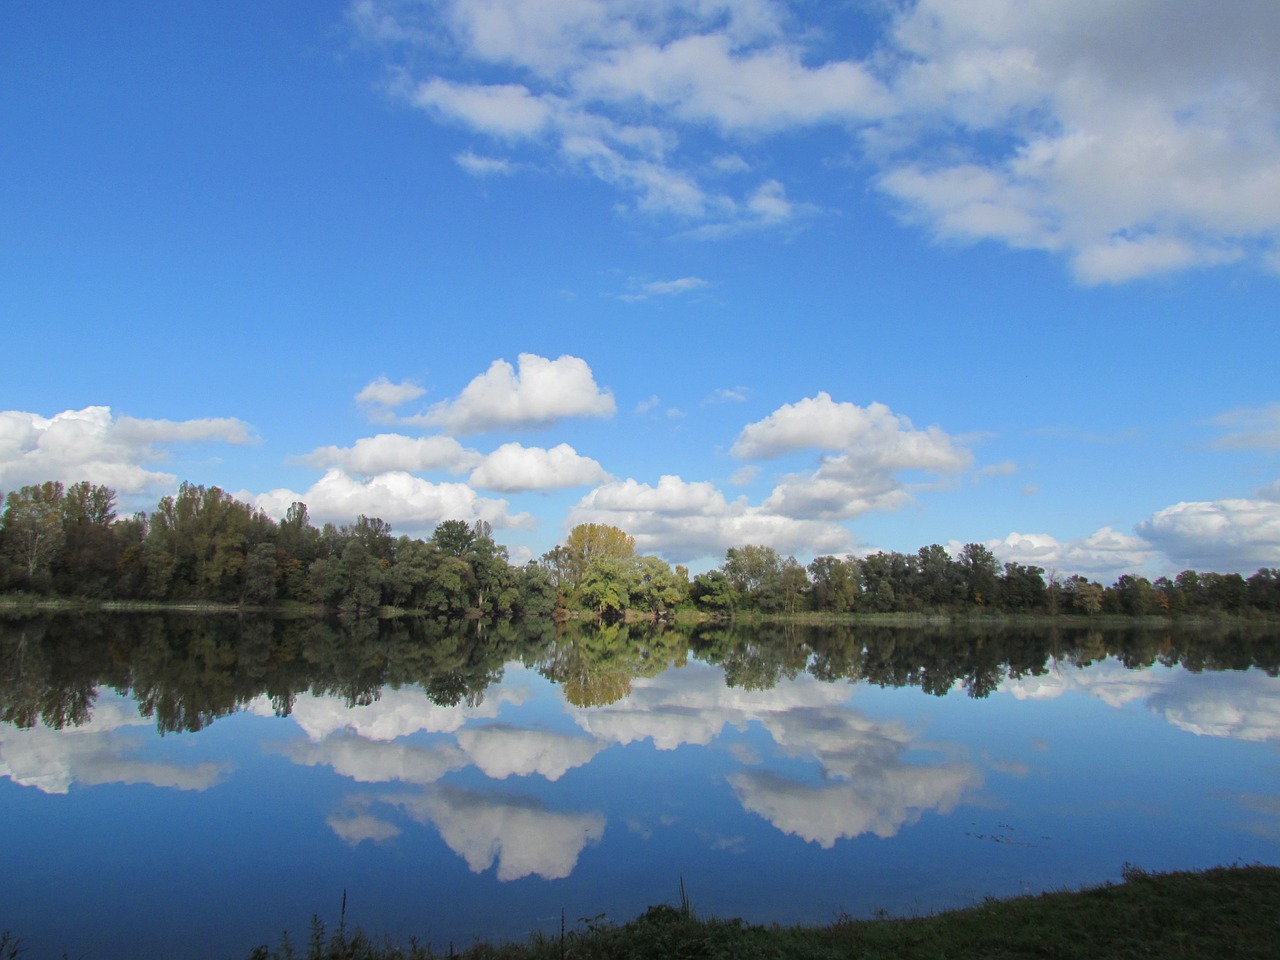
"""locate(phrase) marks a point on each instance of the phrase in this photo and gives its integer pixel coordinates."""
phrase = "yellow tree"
(588, 542)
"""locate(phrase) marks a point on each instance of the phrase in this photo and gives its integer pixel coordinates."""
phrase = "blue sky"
(832, 277)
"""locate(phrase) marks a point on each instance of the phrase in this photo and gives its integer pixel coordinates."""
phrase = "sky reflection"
(788, 803)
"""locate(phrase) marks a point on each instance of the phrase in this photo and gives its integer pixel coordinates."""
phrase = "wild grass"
(1223, 912)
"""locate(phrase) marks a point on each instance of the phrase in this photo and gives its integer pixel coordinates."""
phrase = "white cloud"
(874, 445)
(537, 394)
(665, 288)
(512, 468)
(389, 452)
(705, 77)
(408, 503)
(1127, 137)
(91, 444)
(1224, 536)
(1103, 554)
(729, 395)
(685, 520)
(875, 435)
(1249, 428)
(1139, 140)
(383, 393)
(482, 166)
(506, 110)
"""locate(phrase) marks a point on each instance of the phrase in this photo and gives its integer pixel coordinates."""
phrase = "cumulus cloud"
(1104, 554)
(1130, 139)
(389, 452)
(879, 437)
(513, 468)
(535, 394)
(410, 504)
(874, 445)
(865, 451)
(685, 520)
(92, 444)
(380, 397)
(1236, 535)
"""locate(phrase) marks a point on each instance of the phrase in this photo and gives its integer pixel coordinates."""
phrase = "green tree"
(453, 538)
(608, 585)
(33, 531)
(835, 583)
(259, 581)
(658, 588)
(713, 591)
(91, 550)
(756, 575)
(981, 574)
(1022, 588)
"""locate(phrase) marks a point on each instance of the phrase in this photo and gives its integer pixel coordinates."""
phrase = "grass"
(1223, 912)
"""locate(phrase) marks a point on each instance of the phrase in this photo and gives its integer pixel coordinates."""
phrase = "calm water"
(191, 789)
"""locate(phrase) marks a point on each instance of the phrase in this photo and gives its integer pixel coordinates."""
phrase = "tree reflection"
(185, 672)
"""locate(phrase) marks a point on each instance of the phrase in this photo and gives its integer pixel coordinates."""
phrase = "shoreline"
(680, 617)
(1222, 911)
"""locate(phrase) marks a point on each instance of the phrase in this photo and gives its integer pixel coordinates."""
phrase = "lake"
(191, 787)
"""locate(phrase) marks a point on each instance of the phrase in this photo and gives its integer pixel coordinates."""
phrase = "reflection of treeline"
(186, 672)
(203, 545)
(937, 658)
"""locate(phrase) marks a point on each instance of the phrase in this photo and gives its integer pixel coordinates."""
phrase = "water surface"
(190, 788)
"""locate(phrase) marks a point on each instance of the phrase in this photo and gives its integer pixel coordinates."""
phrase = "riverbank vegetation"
(1224, 912)
(204, 547)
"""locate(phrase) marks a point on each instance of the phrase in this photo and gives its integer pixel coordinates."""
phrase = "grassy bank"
(1224, 912)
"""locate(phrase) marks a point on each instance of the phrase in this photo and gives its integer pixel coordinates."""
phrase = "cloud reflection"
(1235, 705)
(519, 832)
(93, 753)
(505, 751)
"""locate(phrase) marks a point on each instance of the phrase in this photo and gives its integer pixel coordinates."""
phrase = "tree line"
(203, 545)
